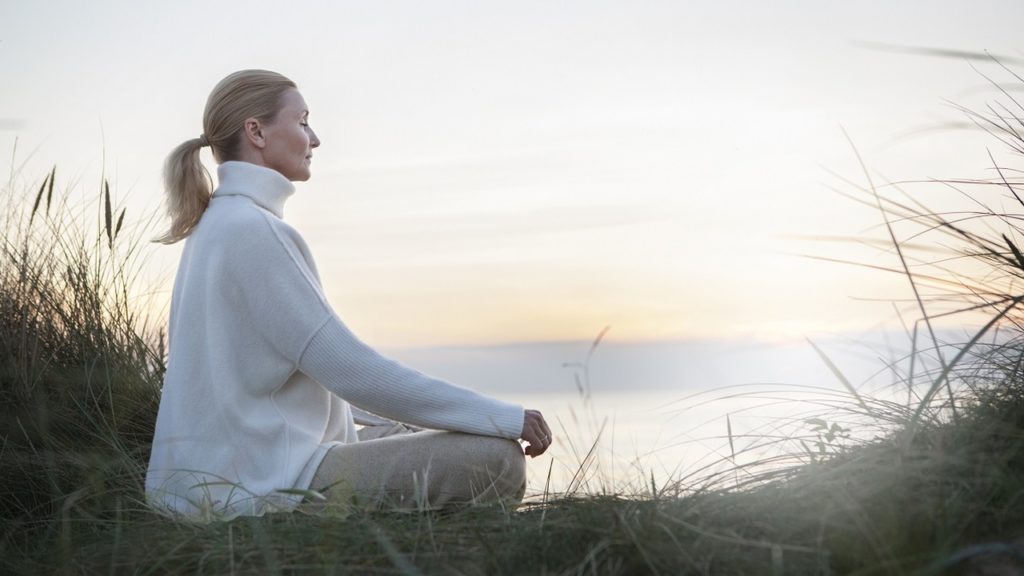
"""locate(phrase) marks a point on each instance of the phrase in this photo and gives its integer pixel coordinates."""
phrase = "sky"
(504, 172)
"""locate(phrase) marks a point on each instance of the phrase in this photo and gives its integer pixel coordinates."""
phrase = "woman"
(264, 382)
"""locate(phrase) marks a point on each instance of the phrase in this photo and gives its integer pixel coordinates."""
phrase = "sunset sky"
(499, 172)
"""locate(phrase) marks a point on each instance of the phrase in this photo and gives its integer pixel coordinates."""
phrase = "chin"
(300, 175)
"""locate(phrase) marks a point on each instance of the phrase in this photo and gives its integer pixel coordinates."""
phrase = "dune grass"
(935, 487)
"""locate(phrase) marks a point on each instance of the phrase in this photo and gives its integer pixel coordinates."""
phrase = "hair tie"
(203, 141)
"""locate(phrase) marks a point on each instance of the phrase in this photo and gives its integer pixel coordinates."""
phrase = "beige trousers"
(395, 466)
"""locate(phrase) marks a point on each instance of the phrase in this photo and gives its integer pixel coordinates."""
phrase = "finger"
(544, 432)
(536, 447)
(535, 421)
(538, 418)
(547, 430)
(541, 449)
(542, 446)
(533, 450)
(536, 430)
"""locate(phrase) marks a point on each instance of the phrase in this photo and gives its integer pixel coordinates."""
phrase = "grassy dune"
(939, 491)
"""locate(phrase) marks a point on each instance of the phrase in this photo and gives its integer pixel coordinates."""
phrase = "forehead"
(293, 103)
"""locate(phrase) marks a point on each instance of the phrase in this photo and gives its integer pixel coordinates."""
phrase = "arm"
(270, 274)
(349, 368)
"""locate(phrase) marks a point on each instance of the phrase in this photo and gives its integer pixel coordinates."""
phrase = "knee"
(507, 467)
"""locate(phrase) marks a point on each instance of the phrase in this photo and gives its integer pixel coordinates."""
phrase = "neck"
(266, 187)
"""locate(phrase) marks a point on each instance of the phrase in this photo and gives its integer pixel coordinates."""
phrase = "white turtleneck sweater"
(261, 370)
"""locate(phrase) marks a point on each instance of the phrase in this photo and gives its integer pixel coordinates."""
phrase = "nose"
(313, 140)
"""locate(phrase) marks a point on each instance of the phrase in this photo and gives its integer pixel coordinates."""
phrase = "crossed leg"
(393, 467)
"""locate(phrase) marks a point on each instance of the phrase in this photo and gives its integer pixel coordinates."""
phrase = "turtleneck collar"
(264, 186)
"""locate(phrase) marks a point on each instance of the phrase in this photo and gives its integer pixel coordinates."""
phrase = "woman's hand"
(536, 433)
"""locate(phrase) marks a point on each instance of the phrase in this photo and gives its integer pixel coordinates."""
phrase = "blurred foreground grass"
(940, 491)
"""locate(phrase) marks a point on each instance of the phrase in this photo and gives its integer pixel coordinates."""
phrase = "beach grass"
(935, 487)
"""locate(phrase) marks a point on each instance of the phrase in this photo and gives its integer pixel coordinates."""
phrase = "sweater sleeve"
(342, 363)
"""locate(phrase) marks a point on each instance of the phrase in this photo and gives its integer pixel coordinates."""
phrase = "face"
(289, 139)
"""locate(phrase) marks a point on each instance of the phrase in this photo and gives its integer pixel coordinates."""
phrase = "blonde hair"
(241, 95)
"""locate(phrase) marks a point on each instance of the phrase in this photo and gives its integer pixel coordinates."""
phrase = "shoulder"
(246, 239)
(236, 224)
(233, 215)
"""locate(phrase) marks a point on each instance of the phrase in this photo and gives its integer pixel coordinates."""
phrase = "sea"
(670, 416)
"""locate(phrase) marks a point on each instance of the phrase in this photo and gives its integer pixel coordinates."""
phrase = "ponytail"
(188, 186)
(240, 95)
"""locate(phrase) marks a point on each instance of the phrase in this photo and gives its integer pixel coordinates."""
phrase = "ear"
(253, 131)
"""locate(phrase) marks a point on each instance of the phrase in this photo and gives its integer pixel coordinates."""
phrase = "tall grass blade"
(120, 221)
(1004, 180)
(581, 472)
(39, 196)
(944, 375)
(597, 341)
(732, 446)
(547, 494)
(49, 191)
(839, 375)
(106, 213)
(938, 52)
(903, 262)
(1016, 252)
